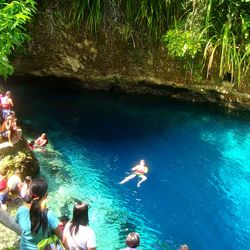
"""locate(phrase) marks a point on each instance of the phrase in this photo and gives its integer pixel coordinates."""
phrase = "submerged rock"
(18, 157)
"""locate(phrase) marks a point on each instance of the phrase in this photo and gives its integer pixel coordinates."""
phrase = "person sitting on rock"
(6, 129)
(7, 104)
(15, 183)
(25, 189)
(17, 131)
(41, 141)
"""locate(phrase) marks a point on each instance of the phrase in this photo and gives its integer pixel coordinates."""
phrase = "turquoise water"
(198, 187)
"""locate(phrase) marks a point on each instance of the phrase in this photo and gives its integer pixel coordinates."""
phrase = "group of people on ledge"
(8, 118)
(9, 127)
(13, 187)
(38, 223)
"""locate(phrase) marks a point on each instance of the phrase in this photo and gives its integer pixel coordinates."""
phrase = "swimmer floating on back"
(139, 170)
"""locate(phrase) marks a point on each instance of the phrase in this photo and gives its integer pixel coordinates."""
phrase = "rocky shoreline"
(224, 95)
(11, 158)
(18, 157)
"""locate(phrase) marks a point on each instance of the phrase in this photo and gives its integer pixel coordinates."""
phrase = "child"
(32, 145)
(63, 221)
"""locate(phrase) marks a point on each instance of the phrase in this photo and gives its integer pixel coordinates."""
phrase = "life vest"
(5, 103)
(142, 171)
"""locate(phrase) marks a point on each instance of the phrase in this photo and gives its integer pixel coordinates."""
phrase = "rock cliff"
(106, 61)
(18, 157)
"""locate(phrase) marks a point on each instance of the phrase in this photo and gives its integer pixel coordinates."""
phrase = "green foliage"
(221, 29)
(87, 10)
(152, 16)
(218, 30)
(13, 17)
(183, 43)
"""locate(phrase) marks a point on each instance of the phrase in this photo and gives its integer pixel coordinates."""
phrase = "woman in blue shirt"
(35, 220)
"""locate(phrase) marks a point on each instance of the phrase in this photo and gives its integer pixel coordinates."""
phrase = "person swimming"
(139, 170)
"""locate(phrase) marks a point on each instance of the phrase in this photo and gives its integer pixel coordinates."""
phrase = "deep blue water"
(198, 187)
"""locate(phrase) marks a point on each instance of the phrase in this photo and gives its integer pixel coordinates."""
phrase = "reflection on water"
(198, 184)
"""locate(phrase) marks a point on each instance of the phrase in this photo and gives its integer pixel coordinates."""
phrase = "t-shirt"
(29, 241)
(85, 238)
(24, 190)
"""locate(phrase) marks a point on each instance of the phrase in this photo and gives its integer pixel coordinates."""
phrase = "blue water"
(198, 187)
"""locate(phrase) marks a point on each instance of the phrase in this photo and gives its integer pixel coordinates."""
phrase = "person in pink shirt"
(7, 104)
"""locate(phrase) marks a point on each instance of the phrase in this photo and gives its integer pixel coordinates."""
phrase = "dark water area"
(198, 187)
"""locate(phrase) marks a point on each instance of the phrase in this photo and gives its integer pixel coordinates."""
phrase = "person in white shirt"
(25, 190)
(15, 183)
(77, 234)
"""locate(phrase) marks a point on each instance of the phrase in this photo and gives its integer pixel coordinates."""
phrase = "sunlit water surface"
(198, 187)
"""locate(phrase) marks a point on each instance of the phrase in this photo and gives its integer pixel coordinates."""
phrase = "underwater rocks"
(18, 157)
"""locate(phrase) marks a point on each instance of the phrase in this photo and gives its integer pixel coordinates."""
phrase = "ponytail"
(35, 215)
(38, 216)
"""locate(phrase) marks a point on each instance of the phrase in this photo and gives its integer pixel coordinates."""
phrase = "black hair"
(80, 217)
(38, 217)
(64, 218)
(28, 178)
(133, 240)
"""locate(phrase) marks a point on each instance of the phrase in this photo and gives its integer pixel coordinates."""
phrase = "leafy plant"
(183, 43)
(152, 16)
(13, 17)
(218, 28)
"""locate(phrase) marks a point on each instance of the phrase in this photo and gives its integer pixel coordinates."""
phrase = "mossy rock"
(18, 157)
